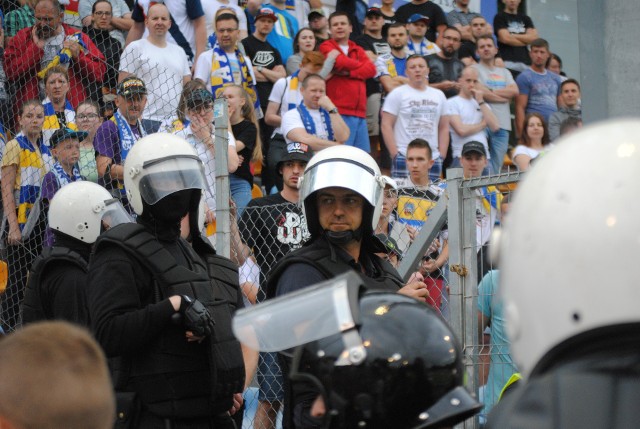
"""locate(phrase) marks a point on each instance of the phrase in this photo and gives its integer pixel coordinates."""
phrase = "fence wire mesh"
(70, 81)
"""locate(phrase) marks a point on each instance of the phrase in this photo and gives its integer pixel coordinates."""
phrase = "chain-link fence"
(71, 68)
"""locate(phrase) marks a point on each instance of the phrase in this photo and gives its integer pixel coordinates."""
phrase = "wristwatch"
(334, 110)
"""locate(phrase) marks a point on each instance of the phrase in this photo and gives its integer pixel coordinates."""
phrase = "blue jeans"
(240, 192)
(359, 135)
(498, 145)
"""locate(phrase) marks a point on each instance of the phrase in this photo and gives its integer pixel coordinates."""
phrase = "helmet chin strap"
(343, 237)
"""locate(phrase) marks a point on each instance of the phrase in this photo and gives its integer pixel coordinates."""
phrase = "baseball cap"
(64, 134)
(373, 11)
(265, 12)
(315, 13)
(417, 17)
(131, 86)
(390, 244)
(296, 152)
(474, 146)
(198, 97)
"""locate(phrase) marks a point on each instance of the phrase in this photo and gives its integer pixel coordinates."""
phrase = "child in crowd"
(65, 147)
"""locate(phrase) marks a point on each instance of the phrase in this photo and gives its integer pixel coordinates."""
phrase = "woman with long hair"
(248, 143)
(535, 140)
(303, 42)
(25, 161)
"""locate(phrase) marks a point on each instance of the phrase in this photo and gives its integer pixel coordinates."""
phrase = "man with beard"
(391, 66)
(445, 67)
(163, 306)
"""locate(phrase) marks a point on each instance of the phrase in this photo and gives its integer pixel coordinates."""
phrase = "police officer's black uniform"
(135, 269)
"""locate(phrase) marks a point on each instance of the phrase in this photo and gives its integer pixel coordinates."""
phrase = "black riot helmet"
(392, 362)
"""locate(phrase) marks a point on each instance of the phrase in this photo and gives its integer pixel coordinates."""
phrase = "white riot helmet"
(345, 167)
(80, 209)
(569, 250)
(159, 165)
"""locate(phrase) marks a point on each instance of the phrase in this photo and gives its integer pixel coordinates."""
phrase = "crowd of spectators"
(419, 89)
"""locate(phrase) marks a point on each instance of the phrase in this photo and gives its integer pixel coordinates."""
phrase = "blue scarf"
(222, 75)
(413, 49)
(127, 138)
(310, 126)
(62, 177)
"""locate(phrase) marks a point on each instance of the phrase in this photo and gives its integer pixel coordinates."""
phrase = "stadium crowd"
(419, 89)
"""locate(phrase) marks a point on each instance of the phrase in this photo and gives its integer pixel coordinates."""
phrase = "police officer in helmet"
(341, 194)
(163, 307)
(375, 359)
(569, 284)
(56, 289)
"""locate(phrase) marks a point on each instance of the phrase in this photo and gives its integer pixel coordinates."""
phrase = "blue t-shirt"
(401, 64)
(542, 89)
(501, 367)
(283, 33)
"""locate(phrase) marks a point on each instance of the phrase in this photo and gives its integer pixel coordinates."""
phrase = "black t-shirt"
(378, 47)
(441, 69)
(265, 55)
(247, 133)
(272, 227)
(429, 9)
(516, 24)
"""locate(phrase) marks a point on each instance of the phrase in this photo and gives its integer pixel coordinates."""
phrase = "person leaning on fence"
(341, 194)
(316, 121)
(417, 196)
(48, 43)
(273, 226)
(65, 358)
(164, 306)
(116, 136)
(25, 162)
(57, 283)
(285, 96)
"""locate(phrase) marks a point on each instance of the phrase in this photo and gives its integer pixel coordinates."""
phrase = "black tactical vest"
(176, 378)
(36, 305)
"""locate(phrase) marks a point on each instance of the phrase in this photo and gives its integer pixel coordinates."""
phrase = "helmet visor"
(344, 174)
(165, 176)
(310, 314)
(114, 214)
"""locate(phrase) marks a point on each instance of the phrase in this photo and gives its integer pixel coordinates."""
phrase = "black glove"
(196, 318)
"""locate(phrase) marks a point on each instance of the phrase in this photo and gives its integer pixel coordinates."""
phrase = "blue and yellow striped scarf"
(32, 168)
(222, 76)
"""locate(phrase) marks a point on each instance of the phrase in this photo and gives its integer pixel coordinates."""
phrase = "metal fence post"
(454, 219)
(223, 221)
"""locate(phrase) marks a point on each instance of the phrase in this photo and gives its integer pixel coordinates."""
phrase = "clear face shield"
(313, 313)
(114, 214)
(165, 176)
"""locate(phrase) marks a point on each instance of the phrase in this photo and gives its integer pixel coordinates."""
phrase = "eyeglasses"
(87, 116)
(453, 39)
(226, 30)
(102, 13)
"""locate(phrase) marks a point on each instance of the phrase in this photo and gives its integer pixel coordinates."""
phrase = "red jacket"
(22, 63)
(346, 87)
